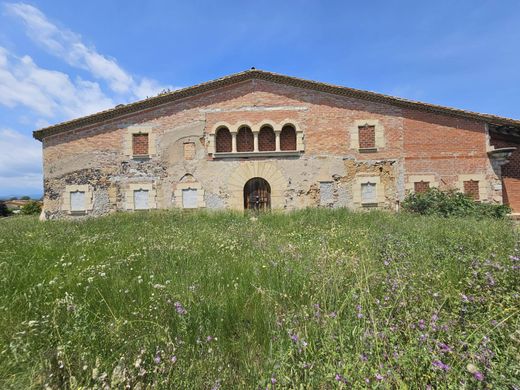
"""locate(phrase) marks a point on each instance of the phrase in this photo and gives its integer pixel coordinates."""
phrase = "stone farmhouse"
(260, 140)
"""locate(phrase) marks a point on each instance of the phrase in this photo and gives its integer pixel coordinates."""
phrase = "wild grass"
(312, 299)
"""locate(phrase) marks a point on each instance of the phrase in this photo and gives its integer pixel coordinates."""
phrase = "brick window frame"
(129, 195)
(379, 135)
(66, 204)
(129, 141)
(412, 179)
(266, 139)
(363, 178)
(483, 185)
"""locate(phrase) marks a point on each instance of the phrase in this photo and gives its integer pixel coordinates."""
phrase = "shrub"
(4, 211)
(31, 208)
(451, 203)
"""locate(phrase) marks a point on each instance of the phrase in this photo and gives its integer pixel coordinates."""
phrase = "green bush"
(31, 208)
(4, 211)
(451, 203)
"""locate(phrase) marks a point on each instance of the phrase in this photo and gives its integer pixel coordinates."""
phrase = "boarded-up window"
(245, 140)
(141, 200)
(420, 187)
(288, 138)
(471, 189)
(224, 141)
(189, 198)
(189, 150)
(140, 144)
(77, 201)
(326, 191)
(367, 137)
(368, 193)
(266, 139)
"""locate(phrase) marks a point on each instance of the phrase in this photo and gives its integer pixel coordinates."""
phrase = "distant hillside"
(316, 299)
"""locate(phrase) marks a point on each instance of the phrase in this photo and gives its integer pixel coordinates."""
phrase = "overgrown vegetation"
(313, 299)
(4, 211)
(451, 203)
(31, 208)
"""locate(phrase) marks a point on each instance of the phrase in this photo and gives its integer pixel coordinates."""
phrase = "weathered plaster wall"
(414, 143)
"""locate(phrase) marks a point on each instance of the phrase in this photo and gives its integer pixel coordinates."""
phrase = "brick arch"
(223, 141)
(251, 169)
(245, 139)
(266, 139)
(288, 137)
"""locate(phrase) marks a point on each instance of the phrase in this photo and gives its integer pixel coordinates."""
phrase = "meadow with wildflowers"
(311, 299)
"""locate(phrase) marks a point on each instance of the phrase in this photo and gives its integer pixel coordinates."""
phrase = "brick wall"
(140, 144)
(510, 171)
(421, 186)
(288, 138)
(367, 136)
(419, 142)
(245, 140)
(266, 139)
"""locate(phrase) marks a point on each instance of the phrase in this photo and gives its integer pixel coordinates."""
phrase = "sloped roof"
(122, 110)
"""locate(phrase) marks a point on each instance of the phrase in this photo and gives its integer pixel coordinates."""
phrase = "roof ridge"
(164, 98)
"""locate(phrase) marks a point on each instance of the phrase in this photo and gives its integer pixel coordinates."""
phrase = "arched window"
(288, 138)
(245, 140)
(266, 139)
(223, 140)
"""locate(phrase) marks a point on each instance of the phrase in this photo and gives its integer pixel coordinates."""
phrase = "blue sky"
(63, 59)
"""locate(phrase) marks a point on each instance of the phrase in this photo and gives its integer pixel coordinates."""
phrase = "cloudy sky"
(62, 59)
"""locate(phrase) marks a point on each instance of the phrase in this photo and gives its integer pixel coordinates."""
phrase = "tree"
(4, 211)
(31, 208)
(25, 197)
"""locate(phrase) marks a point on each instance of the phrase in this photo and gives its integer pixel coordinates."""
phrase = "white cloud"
(20, 164)
(69, 46)
(47, 92)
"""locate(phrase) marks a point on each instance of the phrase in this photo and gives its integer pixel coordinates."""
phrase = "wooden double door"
(257, 194)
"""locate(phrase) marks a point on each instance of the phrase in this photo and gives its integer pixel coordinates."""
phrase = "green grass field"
(312, 299)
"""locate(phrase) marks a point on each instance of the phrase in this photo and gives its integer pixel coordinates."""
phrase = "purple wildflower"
(333, 314)
(173, 359)
(339, 378)
(180, 309)
(273, 380)
(209, 338)
(421, 324)
(444, 347)
(379, 377)
(440, 365)
(478, 376)
(363, 357)
(157, 359)
(294, 338)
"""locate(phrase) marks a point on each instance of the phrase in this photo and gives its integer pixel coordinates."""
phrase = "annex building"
(260, 140)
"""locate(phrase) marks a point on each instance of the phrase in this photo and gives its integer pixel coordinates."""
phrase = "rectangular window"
(141, 200)
(471, 189)
(189, 198)
(367, 137)
(368, 193)
(189, 150)
(140, 144)
(77, 201)
(420, 187)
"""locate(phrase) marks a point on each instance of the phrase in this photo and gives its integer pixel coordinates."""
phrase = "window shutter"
(189, 198)
(77, 201)
(141, 200)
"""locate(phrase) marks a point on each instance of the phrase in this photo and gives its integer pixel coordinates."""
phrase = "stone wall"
(409, 143)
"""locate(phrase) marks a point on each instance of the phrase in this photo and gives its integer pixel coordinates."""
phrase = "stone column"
(277, 140)
(255, 141)
(234, 142)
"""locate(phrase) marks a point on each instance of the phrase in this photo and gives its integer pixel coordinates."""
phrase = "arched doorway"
(257, 194)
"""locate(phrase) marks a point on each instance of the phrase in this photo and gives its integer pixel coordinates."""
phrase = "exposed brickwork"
(367, 137)
(140, 144)
(245, 140)
(416, 143)
(420, 187)
(471, 189)
(223, 141)
(189, 150)
(288, 138)
(266, 139)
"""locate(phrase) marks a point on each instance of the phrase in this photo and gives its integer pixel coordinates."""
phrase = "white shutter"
(368, 193)
(141, 200)
(77, 201)
(189, 198)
